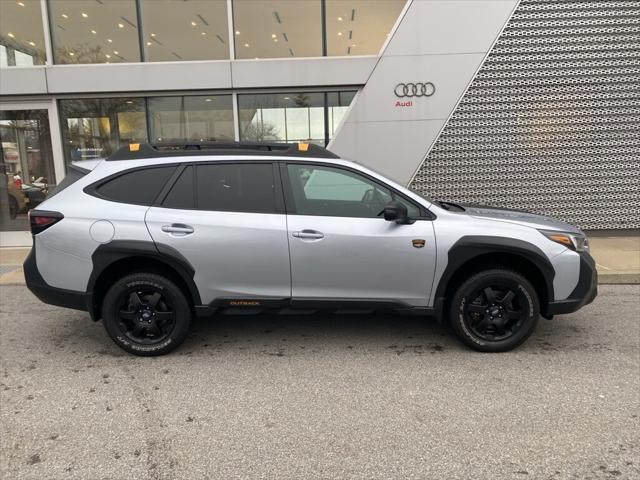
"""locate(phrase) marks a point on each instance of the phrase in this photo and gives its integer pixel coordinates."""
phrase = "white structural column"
(442, 42)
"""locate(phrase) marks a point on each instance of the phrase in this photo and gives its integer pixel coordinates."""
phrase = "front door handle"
(308, 235)
(178, 228)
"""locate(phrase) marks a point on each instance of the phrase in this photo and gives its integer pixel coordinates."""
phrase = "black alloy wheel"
(496, 313)
(494, 310)
(146, 314)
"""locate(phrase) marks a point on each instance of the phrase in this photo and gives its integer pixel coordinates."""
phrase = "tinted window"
(335, 192)
(236, 188)
(140, 186)
(181, 194)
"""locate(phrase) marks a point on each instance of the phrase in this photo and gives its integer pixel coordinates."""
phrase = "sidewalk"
(617, 258)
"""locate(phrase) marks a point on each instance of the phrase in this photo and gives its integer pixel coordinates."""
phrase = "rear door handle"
(178, 228)
(308, 234)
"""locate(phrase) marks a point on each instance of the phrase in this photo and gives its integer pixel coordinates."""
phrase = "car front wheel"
(146, 314)
(494, 310)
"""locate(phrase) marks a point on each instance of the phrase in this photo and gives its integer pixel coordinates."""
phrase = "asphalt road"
(323, 396)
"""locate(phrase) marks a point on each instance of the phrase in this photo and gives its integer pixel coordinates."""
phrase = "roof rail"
(135, 151)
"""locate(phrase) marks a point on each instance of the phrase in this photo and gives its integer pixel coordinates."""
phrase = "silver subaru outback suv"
(157, 234)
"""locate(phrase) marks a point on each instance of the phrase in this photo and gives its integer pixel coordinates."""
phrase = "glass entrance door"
(26, 165)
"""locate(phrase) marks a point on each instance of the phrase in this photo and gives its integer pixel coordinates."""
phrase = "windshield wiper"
(450, 206)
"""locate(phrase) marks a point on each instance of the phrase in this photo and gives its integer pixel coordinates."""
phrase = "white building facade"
(531, 104)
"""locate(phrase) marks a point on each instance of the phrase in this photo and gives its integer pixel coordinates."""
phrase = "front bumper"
(48, 294)
(584, 293)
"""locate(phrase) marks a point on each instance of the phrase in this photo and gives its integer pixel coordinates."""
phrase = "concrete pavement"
(324, 396)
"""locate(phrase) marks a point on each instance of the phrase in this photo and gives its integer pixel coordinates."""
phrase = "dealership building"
(530, 104)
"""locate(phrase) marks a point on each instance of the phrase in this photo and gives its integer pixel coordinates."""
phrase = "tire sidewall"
(498, 277)
(173, 294)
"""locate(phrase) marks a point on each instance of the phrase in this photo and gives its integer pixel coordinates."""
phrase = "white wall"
(438, 41)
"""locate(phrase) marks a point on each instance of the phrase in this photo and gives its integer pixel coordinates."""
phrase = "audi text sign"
(413, 90)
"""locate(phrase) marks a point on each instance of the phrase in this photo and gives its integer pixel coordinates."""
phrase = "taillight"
(40, 220)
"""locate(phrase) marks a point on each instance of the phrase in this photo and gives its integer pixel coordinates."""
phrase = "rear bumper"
(584, 293)
(48, 294)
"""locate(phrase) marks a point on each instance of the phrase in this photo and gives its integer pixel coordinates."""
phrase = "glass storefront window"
(104, 31)
(338, 104)
(26, 166)
(359, 27)
(21, 34)
(175, 30)
(282, 117)
(277, 28)
(96, 127)
(197, 118)
(291, 117)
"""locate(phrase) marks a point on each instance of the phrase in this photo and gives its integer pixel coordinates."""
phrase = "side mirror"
(396, 212)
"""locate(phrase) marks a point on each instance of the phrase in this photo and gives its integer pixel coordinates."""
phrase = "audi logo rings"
(414, 89)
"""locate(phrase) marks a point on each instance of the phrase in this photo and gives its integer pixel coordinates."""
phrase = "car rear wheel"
(146, 314)
(494, 310)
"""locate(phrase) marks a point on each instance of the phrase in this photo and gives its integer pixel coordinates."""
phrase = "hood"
(519, 217)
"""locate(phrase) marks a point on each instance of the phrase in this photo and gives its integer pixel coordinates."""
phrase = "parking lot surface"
(322, 396)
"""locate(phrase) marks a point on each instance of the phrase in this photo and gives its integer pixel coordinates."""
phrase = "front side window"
(335, 192)
(139, 187)
(243, 187)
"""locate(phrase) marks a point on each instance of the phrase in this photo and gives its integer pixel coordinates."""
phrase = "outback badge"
(418, 242)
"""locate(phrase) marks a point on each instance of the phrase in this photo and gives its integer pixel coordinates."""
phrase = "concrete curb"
(618, 278)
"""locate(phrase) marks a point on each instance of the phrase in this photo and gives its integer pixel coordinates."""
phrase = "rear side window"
(243, 187)
(139, 187)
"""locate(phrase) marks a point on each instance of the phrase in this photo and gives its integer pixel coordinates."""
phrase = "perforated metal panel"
(551, 123)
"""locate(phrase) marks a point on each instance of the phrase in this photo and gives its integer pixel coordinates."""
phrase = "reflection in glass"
(360, 27)
(21, 35)
(291, 117)
(96, 127)
(282, 117)
(176, 30)
(104, 31)
(197, 118)
(277, 28)
(26, 166)
(338, 103)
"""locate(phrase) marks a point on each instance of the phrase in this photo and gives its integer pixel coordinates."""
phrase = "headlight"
(575, 241)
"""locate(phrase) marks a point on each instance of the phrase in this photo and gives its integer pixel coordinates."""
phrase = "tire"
(146, 314)
(487, 318)
(13, 207)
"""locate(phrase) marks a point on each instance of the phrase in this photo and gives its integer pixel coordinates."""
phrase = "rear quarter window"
(139, 187)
